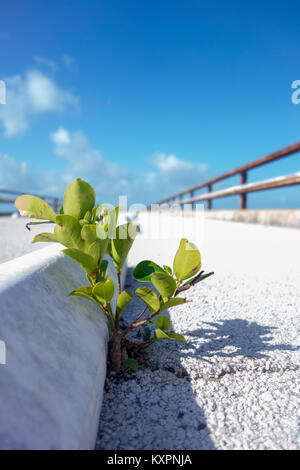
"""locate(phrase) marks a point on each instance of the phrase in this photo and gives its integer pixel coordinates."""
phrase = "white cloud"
(61, 137)
(151, 179)
(40, 61)
(30, 94)
(68, 61)
(13, 113)
(168, 163)
(44, 95)
(87, 162)
(175, 171)
(109, 179)
(15, 175)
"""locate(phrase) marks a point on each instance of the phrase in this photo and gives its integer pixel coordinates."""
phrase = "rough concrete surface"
(279, 217)
(56, 348)
(236, 383)
(15, 239)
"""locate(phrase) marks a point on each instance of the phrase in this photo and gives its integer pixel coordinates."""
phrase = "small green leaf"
(172, 303)
(44, 237)
(85, 292)
(132, 364)
(164, 283)
(101, 230)
(103, 270)
(91, 281)
(79, 198)
(163, 322)
(144, 269)
(92, 245)
(88, 235)
(83, 222)
(146, 332)
(120, 246)
(85, 261)
(104, 290)
(99, 210)
(149, 297)
(176, 337)
(168, 269)
(67, 231)
(122, 302)
(187, 261)
(112, 220)
(34, 207)
(159, 334)
(88, 216)
(98, 249)
(106, 227)
(108, 249)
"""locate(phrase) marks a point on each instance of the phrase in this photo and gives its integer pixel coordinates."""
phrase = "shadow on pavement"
(156, 408)
(242, 337)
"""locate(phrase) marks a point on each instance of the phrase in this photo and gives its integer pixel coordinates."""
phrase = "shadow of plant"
(229, 338)
(156, 407)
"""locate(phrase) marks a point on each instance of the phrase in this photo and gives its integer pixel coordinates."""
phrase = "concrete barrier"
(278, 217)
(55, 349)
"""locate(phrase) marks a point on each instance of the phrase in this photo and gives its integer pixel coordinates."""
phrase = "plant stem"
(136, 324)
(119, 282)
(119, 293)
(192, 283)
(141, 314)
(131, 327)
(37, 223)
(111, 322)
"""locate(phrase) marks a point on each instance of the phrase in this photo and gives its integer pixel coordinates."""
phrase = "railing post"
(55, 205)
(180, 198)
(243, 196)
(193, 204)
(209, 201)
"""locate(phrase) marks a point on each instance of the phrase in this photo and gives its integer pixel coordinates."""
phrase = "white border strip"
(56, 351)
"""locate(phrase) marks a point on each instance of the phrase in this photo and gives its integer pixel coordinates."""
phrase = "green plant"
(89, 232)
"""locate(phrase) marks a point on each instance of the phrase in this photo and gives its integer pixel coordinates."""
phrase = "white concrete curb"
(56, 350)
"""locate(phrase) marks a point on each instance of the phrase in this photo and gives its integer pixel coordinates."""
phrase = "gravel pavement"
(236, 383)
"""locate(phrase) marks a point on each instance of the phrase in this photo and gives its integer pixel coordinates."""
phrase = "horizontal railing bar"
(20, 193)
(279, 181)
(284, 152)
(8, 201)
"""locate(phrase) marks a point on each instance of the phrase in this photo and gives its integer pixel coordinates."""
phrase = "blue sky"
(145, 98)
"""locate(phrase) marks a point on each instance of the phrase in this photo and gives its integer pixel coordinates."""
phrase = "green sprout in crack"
(89, 232)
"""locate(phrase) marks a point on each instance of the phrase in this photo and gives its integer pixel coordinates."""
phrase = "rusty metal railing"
(54, 202)
(243, 189)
